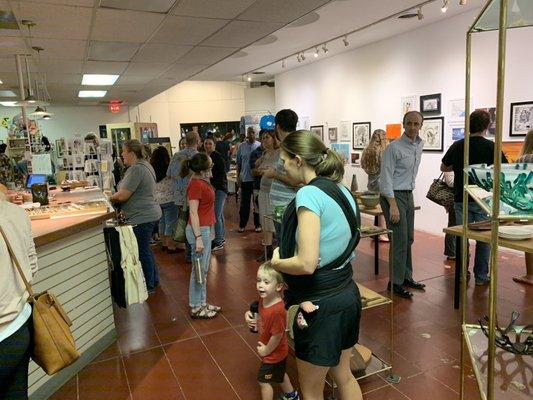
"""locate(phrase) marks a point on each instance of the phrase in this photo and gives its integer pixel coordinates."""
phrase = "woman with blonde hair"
(371, 158)
(527, 157)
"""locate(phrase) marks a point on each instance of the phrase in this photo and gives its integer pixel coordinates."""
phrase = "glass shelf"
(513, 378)
(519, 14)
(484, 199)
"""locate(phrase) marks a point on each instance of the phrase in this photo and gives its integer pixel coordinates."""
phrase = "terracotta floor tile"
(69, 391)
(138, 337)
(111, 352)
(177, 328)
(423, 387)
(199, 376)
(151, 377)
(104, 380)
(385, 393)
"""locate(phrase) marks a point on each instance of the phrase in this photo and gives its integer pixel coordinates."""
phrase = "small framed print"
(430, 104)
(432, 133)
(343, 149)
(332, 134)
(521, 118)
(318, 130)
(360, 135)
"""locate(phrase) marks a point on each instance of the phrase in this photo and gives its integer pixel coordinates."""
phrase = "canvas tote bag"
(53, 343)
(441, 193)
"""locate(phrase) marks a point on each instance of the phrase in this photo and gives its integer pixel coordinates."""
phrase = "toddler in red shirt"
(272, 346)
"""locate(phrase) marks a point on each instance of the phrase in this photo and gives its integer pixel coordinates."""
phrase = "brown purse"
(52, 341)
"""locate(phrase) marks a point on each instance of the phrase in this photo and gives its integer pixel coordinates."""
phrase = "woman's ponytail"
(185, 168)
(332, 166)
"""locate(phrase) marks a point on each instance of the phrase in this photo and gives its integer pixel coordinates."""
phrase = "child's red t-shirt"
(200, 190)
(272, 321)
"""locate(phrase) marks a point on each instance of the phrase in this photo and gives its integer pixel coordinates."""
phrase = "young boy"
(272, 345)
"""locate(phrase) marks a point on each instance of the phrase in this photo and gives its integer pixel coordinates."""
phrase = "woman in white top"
(15, 312)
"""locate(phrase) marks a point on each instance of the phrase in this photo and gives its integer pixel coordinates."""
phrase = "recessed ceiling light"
(7, 93)
(92, 93)
(8, 103)
(98, 79)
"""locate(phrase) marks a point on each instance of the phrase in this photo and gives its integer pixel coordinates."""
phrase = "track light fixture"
(298, 57)
(325, 48)
(444, 7)
(419, 14)
(248, 78)
(345, 41)
(303, 56)
(315, 54)
(283, 63)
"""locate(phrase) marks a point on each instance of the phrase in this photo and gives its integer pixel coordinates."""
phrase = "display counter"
(73, 265)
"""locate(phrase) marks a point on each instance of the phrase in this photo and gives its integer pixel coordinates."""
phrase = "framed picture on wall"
(343, 149)
(332, 134)
(360, 135)
(318, 130)
(344, 131)
(521, 118)
(432, 133)
(430, 104)
(409, 103)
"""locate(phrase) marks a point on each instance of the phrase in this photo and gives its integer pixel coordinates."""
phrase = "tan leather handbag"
(53, 343)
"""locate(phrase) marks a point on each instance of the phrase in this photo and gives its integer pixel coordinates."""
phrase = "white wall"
(260, 100)
(68, 121)
(367, 84)
(192, 101)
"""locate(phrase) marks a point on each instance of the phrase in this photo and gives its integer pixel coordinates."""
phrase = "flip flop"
(523, 279)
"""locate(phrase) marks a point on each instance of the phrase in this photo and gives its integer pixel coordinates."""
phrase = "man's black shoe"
(400, 291)
(414, 284)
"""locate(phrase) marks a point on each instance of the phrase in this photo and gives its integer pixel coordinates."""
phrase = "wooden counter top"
(46, 231)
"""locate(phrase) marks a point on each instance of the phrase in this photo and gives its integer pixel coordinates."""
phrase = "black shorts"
(332, 328)
(271, 373)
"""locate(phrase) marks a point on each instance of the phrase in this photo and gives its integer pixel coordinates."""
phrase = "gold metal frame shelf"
(519, 15)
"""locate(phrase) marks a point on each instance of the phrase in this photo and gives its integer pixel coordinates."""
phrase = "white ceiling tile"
(60, 66)
(79, 3)
(228, 9)
(12, 41)
(53, 21)
(187, 30)
(10, 79)
(124, 26)
(61, 49)
(104, 67)
(182, 71)
(112, 51)
(133, 80)
(206, 55)
(158, 6)
(62, 78)
(7, 64)
(241, 33)
(158, 52)
(149, 69)
(279, 10)
(163, 82)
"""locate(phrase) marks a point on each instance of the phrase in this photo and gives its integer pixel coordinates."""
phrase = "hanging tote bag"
(53, 344)
(181, 224)
(441, 193)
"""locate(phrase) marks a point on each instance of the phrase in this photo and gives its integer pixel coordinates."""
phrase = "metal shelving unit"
(486, 358)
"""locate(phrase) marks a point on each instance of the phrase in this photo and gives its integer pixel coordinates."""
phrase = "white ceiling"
(155, 44)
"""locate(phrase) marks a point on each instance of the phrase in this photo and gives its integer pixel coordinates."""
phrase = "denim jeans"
(168, 219)
(220, 229)
(197, 291)
(143, 233)
(247, 191)
(481, 263)
(14, 360)
(449, 240)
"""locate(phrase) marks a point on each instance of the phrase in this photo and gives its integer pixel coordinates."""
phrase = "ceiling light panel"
(92, 93)
(165, 53)
(8, 103)
(241, 33)
(112, 51)
(227, 9)
(206, 55)
(98, 79)
(125, 26)
(55, 21)
(104, 67)
(187, 30)
(7, 93)
(156, 6)
(279, 10)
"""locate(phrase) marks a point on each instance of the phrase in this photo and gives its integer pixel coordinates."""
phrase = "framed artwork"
(356, 158)
(394, 131)
(318, 130)
(492, 112)
(432, 133)
(458, 132)
(332, 134)
(343, 149)
(344, 131)
(430, 104)
(512, 150)
(457, 111)
(409, 103)
(60, 147)
(360, 135)
(521, 118)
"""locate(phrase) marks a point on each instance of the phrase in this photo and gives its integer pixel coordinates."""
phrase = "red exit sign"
(114, 107)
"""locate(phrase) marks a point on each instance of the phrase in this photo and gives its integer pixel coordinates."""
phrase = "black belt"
(404, 191)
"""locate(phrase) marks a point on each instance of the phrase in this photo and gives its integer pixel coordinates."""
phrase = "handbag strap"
(16, 262)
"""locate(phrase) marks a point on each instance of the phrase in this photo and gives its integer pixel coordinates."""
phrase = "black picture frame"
(360, 138)
(520, 128)
(431, 104)
(436, 142)
(317, 130)
(332, 135)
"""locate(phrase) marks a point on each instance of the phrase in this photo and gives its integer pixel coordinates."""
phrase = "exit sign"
(114, 107)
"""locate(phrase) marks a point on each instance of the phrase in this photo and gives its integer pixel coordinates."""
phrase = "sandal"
(211, 307)
(202, 313)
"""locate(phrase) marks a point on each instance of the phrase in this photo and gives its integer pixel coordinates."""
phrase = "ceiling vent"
(259, 84)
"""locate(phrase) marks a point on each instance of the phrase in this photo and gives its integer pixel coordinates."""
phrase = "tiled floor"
(163, 354)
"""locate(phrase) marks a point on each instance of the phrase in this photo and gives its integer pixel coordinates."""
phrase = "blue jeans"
(481, 263)
(143, 234)
(168, 219)
(220, 229)
(197, 291)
